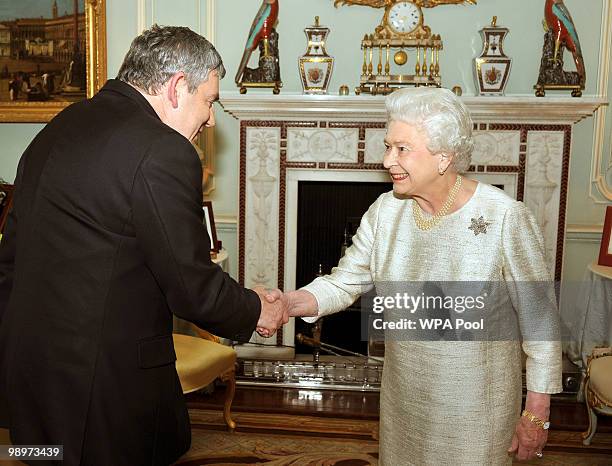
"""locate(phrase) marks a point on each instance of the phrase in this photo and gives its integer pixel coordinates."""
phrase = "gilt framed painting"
(605, 249)
(209, 222)
(52, 54)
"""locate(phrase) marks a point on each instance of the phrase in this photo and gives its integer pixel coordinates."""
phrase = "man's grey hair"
(442, 116)
(162, 51)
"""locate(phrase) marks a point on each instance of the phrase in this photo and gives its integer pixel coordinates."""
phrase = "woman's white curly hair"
(441, 115)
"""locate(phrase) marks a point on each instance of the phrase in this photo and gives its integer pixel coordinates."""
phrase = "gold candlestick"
(364, 68)
(432, 68)
(387, 64)
(438, 59)
(370, 68)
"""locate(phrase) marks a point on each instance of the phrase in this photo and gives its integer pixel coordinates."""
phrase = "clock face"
(404, 17)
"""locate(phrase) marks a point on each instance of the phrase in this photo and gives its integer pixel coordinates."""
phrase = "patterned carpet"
(277, 450)
(286, 440)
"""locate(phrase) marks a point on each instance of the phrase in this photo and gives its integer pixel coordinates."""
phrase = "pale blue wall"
(15, 138)
(459, 27)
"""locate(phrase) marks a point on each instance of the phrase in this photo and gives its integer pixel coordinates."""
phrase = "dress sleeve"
(352, 277)
(168, 222)
(533, 297)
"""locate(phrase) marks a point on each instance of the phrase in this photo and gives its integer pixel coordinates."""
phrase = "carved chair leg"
(230, 379)
(590, 432)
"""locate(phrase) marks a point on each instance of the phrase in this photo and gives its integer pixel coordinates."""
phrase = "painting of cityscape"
(42, 51)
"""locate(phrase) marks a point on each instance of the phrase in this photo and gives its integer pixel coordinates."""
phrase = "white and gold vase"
(492, 67)
(316, 65)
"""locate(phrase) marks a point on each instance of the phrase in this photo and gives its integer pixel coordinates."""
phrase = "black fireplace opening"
(329, 213)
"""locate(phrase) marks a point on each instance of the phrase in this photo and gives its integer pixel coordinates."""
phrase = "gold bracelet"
(536, 420)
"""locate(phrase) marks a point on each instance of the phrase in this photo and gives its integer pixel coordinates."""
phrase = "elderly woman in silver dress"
(448, 402)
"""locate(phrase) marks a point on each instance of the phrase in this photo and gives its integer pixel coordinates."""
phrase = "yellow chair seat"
(601, 378)
(199, 362)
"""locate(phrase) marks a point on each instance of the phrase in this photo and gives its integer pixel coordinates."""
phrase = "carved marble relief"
(496, 148)
(322, 145)
(374, 145)
(262, 190)
(490, 147)
(542, 184)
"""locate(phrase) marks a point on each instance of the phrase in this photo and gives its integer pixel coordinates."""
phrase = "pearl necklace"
(429, 223)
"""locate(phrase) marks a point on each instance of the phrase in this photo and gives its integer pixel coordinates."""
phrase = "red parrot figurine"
(560, 22)
(261, 28)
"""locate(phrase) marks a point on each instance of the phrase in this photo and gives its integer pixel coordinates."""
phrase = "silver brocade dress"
(449, 402)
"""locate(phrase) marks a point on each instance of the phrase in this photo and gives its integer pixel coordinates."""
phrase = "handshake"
(277, 307)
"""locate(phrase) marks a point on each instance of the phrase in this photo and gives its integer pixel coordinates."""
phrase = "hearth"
(329, 213)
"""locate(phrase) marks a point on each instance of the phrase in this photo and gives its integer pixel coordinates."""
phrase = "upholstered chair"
(6, 201)
(598, 389)
(203, 359)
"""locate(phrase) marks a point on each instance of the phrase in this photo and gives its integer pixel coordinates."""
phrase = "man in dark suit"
(104, 242)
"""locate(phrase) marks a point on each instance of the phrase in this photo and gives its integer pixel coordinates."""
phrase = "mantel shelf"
(511, 109)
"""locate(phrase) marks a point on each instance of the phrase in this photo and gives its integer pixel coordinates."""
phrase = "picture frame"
(204, 145)
(605, 249)
(209, 222)
(24, 62)
(6, 201)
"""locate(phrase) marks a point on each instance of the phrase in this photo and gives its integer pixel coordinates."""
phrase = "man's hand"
(274, 312)
(298, 303)
(529, 438)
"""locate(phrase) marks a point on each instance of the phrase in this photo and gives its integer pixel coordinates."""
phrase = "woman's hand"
(299, 303)
(529, 438)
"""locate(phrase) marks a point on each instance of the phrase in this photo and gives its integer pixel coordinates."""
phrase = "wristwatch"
(536, 420)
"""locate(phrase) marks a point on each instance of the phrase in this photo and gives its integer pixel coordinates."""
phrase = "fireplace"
(523, 144)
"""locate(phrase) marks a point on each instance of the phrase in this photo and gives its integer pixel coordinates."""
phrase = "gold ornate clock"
(402, 32)
(402, 18)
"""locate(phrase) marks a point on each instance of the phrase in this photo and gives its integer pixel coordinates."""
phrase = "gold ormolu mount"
(377, 48)
(267, 74)
(552, 76)
(560, 35)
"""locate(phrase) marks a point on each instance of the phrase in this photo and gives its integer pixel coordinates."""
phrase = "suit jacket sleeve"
(168, 221)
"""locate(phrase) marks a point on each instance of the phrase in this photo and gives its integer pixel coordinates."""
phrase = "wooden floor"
(331, 403)
(566, 414)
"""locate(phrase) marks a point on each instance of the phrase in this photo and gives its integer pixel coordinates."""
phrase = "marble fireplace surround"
(523, 143)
